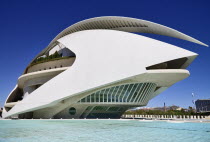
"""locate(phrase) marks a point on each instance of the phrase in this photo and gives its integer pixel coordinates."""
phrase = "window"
(72, 111)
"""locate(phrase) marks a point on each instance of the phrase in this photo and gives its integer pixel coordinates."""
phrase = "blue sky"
(26, 27)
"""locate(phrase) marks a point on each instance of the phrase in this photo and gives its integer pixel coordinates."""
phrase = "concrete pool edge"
(140, 120)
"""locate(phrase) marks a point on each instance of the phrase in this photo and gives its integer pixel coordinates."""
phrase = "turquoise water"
(102, 131)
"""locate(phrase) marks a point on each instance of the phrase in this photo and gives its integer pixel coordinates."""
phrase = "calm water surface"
(102, 131)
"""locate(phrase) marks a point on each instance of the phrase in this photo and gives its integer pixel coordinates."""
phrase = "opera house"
(99, 68)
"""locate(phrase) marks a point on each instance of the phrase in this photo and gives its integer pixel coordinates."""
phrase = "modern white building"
(99, 68)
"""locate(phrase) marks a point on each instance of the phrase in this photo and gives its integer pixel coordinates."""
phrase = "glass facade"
(104, 111)
(128, 93)
(203, 105)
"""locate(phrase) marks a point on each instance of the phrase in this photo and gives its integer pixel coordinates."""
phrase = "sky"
(27, 27)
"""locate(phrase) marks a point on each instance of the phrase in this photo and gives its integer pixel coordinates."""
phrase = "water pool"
(102, 131)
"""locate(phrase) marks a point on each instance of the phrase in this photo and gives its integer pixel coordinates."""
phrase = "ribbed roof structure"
(122, 24)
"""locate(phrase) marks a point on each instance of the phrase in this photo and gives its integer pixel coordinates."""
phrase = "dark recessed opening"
(72, 111)
(173, 64)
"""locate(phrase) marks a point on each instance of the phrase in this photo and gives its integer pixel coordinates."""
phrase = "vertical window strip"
(147, 92)
(131, 92)
(88, 98)
(115, 97)
(134, 92)
(115, 94)
(120, 94)
(109, 95)
(139, 90)
(150, 92)
(85, 99)
(101, 96)
(105, 95)
(107, 99)
(113, 88)
(97, 96)
(141, 93)
(125, 93)
(94, 97)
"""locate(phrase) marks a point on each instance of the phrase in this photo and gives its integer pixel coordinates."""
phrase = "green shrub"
(55, 56)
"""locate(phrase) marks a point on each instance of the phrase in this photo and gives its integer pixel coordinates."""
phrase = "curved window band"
(129, 93)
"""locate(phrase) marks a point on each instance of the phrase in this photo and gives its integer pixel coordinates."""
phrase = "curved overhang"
(122, 24)
(52, 72)
(13, 90)
(157, 76)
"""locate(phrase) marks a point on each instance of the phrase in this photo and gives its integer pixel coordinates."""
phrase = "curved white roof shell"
(126, 24)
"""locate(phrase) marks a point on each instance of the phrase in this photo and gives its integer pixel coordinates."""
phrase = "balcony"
(50, 64)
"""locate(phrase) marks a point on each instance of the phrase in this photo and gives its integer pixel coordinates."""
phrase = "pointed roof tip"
(205, 45)
(201, 43)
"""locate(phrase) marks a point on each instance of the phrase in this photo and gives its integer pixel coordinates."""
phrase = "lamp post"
(193, 100)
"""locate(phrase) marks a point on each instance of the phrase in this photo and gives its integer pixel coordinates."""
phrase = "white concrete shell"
(126, 24)
(104, 58)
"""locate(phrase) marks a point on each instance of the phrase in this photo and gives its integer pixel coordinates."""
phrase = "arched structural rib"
(122, 24)
(125, 24)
